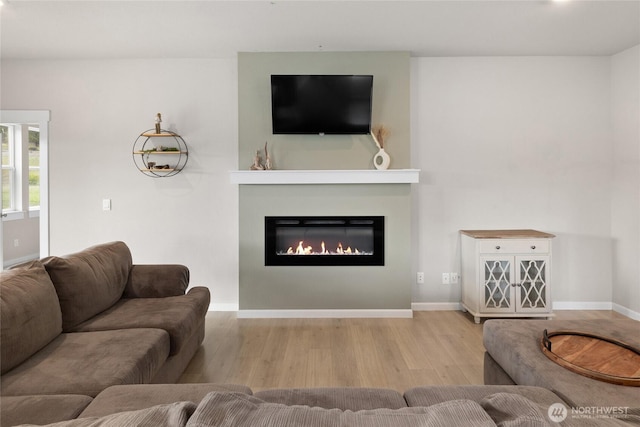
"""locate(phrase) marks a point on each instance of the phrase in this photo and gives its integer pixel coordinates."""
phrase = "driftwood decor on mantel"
(258, 165)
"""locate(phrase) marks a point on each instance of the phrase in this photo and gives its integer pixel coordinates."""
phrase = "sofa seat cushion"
(90, 281)
(515, 346)
(343, 398)
(140, 396)
(30, 316)
(180, 316)
(88, 362)
(41, 409)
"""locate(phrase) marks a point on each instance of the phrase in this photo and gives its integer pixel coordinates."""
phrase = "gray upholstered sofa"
(73, 326)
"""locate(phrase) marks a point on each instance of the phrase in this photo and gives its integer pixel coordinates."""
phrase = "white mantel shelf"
(364, 176)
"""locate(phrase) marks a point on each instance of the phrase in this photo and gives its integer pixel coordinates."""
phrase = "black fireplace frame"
(271, 258)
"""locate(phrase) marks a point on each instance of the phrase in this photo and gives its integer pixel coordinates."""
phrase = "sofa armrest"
(156, 281)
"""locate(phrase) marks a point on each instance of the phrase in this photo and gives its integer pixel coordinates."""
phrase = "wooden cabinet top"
(507, 234)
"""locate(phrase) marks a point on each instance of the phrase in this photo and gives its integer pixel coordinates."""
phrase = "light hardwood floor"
(435, 347)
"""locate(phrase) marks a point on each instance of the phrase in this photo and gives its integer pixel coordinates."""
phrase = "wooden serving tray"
(593, 356)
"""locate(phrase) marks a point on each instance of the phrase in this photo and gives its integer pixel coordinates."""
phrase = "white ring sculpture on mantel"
(381, 160)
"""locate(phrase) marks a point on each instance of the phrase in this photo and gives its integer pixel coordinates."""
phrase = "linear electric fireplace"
(324, 240)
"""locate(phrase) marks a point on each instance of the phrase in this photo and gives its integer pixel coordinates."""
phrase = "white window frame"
(41, 118)
(12, 170)
(15, 137)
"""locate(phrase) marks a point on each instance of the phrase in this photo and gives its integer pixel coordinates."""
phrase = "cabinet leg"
(476, 319)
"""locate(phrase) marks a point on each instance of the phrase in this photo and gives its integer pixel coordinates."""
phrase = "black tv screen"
(321, 104)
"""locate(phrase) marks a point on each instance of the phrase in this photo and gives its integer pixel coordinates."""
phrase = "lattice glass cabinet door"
(497, 294)
(532, 284)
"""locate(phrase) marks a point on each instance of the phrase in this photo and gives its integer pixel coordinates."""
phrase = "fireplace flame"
(301, 249)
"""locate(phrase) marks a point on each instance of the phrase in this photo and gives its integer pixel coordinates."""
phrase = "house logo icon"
(557, 412)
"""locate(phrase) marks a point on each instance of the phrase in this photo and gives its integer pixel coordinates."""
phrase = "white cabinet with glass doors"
(506, 273)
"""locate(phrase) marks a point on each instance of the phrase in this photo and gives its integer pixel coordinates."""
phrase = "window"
(34, 167)
(8, 169)
(20, 168)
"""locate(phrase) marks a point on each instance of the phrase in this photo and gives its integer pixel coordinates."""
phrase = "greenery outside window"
(20, 168)
(34, 167)
(8, 169)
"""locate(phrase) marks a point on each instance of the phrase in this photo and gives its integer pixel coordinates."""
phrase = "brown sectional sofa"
(84, 335)
(73, 326)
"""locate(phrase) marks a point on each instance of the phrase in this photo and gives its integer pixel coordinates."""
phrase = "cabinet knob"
(498, 247)
(533, 246)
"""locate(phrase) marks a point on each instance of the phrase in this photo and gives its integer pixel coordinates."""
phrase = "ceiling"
(221, 28)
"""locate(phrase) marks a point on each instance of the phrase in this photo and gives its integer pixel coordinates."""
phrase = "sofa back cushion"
(241, 410)
(90, 281)
(29, 312)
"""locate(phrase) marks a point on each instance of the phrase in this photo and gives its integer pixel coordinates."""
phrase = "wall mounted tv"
(321, 104)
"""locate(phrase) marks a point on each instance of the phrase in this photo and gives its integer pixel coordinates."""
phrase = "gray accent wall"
(390, 72)
(324, 287)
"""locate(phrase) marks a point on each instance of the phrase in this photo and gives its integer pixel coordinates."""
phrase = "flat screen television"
(321, 104)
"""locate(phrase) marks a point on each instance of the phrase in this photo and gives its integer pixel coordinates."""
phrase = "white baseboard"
(223, 307)
(416, 306)
(626, 311)
(582, 305)
(436, 306)
(323, 314)
(596, 305)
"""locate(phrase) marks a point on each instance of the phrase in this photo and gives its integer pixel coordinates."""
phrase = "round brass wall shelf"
(160, 155)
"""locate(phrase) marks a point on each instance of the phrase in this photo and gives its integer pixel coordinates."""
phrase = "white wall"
(519, 142)
(502, 142)
(27, 232)
(625, 206)
(98, 108)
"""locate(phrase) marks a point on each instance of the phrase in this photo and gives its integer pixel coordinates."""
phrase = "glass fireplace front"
(324, 240)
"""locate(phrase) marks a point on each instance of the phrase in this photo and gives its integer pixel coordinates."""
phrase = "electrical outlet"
(16, 243)
(420, 278)
(454, 278)
(446, 279)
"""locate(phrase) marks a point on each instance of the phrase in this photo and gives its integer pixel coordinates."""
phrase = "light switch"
(106, 204)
